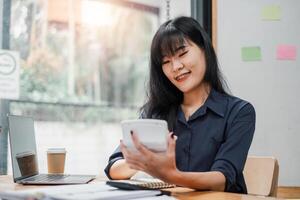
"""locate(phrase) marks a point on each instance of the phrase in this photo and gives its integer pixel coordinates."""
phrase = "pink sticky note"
(286, 52)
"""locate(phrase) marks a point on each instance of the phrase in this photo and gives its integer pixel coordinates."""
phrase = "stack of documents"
(98, 191)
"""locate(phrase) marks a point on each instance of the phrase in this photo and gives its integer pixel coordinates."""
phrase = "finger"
(126, 149)
(172, 145)
(136, 165)
(140, 147)
(169, 138)
(126, 153)
(134, 157)
(123, 147)
(136, 160)
(130, 155)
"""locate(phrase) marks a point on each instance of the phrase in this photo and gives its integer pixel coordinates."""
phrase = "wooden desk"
(6, 183)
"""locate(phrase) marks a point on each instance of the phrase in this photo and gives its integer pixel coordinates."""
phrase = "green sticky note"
(271, 12)
(251, 53)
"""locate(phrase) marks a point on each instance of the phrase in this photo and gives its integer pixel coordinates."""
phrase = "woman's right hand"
(148, 161)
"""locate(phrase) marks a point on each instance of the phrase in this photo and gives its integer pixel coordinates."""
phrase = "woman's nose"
(177, 65)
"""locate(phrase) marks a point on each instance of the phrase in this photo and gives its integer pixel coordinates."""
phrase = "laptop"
(24, 157)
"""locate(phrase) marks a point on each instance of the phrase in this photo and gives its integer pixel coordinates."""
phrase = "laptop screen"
(22, 146)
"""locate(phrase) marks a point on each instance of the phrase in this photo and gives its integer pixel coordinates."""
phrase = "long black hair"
(163, 97)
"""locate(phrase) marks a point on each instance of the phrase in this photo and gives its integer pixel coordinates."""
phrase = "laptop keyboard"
(41, 178)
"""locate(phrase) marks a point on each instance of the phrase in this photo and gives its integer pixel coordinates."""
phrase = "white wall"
(271, 85)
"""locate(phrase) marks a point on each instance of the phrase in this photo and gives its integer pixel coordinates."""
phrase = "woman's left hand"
(159, 165)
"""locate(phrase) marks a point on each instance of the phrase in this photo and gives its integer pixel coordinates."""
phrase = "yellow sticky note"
(271, 12)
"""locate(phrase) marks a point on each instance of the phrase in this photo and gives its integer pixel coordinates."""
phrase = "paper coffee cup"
(27, 163)
(56, 160)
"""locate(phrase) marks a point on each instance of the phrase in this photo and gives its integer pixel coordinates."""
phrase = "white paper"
(98, 191)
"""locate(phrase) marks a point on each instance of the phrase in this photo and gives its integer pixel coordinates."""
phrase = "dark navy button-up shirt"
(216, 137)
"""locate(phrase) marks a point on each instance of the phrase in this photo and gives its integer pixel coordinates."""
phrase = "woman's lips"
(182, 77)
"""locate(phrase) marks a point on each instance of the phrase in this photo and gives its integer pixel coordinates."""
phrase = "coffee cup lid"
(25, 153)
(56, 150)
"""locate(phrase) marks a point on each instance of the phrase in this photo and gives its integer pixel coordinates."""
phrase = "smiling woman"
(211, 130)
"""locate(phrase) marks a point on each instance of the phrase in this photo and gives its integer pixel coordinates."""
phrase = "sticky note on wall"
(251, 53)
(286, 52)
(271, 12)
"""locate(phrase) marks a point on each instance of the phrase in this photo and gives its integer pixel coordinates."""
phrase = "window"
(84, 66)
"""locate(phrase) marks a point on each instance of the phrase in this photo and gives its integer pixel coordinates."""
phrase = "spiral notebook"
(140, 184)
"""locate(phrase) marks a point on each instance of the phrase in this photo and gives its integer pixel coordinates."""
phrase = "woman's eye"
(182, 54)
(165, 62)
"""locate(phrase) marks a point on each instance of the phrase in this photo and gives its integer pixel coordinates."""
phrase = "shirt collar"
(216, 102)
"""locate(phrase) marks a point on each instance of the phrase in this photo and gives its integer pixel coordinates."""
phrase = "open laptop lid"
(22, 147)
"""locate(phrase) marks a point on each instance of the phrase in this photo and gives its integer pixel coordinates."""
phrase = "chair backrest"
(261, 175)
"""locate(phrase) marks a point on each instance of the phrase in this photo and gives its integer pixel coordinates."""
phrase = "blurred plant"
(110, 61)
